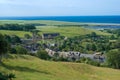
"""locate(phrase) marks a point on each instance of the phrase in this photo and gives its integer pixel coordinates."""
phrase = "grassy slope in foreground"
(31, 68)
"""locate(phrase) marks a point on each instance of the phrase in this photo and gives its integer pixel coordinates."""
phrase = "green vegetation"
(69, 31)
(9, 76)
(113, 59)
(75, 29)
(31, 68)
(13, 39)
(3, 47)
(64, 31)
(89, 43)
(17, 27)
(89, 61)
(20, 50)
(73, 37)
(17, 33)
(47, 22)
(43, 55)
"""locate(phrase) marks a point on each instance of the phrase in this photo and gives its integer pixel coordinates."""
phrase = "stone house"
(50, 35)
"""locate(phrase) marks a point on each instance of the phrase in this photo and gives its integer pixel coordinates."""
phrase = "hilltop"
(28, 67)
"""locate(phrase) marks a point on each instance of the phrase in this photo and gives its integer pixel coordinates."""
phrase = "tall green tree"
(3, 46)
(94, 48)
(113, 59)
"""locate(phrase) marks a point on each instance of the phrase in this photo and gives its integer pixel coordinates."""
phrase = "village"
(32, 46)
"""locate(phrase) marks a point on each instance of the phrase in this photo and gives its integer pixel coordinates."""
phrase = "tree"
(93, 34)
(94, 48)
(9, 76)
(12, 51)
(113, 59)
(3, 46)
(88, 47)
(15, 39)
(2, 76)
(43, 54)
(112, 37)
(34, 34)
(21, 50)
(8, 38)
(27, 36)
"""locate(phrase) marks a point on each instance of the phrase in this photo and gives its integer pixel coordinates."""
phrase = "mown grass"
(31, 68)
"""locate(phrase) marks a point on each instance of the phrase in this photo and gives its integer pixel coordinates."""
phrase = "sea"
(81, 19)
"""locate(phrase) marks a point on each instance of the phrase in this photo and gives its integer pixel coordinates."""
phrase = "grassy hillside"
(69, 31)
(31, 68)
(65, 31)
(18, 33)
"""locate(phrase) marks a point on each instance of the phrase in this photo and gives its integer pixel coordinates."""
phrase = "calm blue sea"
(84, 19)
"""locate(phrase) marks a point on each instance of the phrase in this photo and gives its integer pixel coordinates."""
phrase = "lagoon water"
(84, 19)
(81, 19)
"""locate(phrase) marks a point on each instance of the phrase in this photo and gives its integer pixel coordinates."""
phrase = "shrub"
(9, 76)
(43, 54)
(88, 61)
(113, 59)
(21, 50)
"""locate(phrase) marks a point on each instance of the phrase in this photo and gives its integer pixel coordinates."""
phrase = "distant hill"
(28, 67)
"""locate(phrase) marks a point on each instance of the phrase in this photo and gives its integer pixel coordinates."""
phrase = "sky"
(59, 7)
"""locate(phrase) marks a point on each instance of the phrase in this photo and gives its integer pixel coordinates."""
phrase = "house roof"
(52, 34)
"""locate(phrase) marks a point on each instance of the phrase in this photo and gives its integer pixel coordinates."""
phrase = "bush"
(88, 61)
(63, 59)
(21, 50)
(9, 76)
(113, 59)
(2, 77)
(43, 55)
(12, 51)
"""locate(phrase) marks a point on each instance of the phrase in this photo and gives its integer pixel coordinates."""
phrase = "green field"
(18, 33)
(64, 31)
(69, 31)
(31, 68)
(51, 28)
(47, 22)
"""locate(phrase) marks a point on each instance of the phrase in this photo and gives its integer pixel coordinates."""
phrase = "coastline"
(67, 22)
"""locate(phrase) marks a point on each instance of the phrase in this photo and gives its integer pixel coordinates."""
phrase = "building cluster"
(32, 46)
(72, 55)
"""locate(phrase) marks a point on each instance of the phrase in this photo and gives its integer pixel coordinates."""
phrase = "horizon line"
(58, 15)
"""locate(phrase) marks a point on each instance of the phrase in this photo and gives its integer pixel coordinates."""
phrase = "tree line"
(17, 27)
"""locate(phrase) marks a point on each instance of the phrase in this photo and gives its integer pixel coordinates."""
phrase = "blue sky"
(59, 7)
